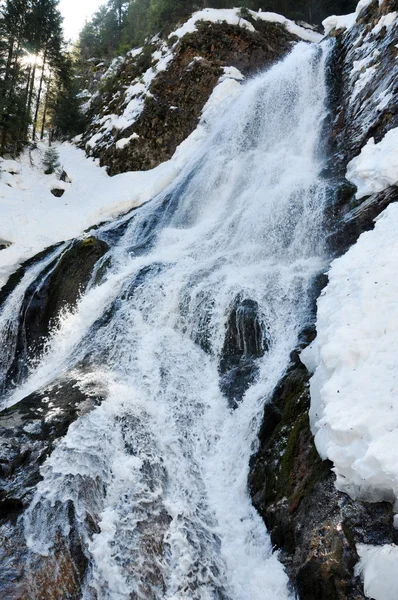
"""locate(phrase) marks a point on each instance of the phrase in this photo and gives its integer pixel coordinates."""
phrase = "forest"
(119, 25)
(37, 77)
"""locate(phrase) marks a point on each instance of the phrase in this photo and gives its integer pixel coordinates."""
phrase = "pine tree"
(50, 161)
(31, 44)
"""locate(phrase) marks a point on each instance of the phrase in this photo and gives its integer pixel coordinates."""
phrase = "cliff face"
(151, 101)
(317, 527)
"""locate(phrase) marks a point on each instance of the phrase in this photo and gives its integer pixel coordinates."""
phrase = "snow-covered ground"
(33, 219)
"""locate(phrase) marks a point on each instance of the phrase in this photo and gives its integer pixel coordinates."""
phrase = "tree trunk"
(45, 109)
(30, 100)
(39, 95)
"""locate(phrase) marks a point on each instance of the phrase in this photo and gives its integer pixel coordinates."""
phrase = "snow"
(386, 21)
(232, 73)
(120, 144)
(348, 21)
(232, 16)
(364, 78)
(134, 96)
(306, 34)
(339, 22)
(354, 388)
(33, 219)
(376, 167)
(9, 166)
(212, 15)
(363, 4)
(378, 566)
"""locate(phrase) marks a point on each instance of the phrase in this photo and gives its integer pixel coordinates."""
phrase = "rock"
(315, 526)
(57, 192)
(245, 341)
(359, 111)
(65, 177)
(29, 431)
(4, 244)
(58, 287)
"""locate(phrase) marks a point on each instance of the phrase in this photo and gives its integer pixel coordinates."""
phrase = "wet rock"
(245, 341)
(58, 287)
(29, 431)
(316, 526)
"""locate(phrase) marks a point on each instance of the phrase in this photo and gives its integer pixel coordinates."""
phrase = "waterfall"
(207, 284)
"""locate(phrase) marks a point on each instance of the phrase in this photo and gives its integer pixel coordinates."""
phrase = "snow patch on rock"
(376, 167)
(233, 17)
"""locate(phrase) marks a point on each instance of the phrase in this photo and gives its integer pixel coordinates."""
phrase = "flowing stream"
(157, 472)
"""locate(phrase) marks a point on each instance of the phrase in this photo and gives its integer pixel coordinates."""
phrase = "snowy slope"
(33, 219)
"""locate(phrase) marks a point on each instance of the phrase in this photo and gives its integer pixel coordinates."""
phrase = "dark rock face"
(314, 525)
(57, 192)
(245, 341)
(58, 287)
(179, 93)
(363, 105)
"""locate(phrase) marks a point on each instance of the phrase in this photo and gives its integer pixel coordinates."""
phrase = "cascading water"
(156, 474)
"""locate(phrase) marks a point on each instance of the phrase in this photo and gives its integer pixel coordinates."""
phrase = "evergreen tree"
(120, 24)
(31, 44)
(67, 116)
(50, 161)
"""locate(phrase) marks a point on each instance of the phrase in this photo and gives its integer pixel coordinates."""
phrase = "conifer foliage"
(119, 25)
(32, 69)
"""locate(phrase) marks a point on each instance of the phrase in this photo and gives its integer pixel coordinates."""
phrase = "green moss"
(289, 466)
(88, 242)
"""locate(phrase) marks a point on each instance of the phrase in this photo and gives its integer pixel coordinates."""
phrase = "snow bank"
(376, 167)
(33, 219)
(338, 22)
(378, 567)
(232, 16)
(354, 389)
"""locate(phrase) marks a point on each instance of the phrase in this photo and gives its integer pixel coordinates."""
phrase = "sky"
(75, 12)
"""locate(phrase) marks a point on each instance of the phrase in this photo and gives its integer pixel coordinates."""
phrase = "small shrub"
(51, 162)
